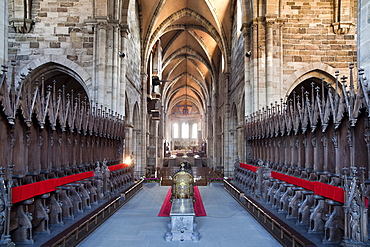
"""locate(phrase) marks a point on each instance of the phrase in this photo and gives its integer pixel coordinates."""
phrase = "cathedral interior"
(269, 98)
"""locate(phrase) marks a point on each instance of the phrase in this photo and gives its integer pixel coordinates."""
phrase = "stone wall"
(363, 36)
(59, 30)
(68, 33)
(310, 35)
(237, 58)
(237, 91)
(133, 47)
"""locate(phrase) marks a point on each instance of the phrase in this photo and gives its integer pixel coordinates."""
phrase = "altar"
(182, 224)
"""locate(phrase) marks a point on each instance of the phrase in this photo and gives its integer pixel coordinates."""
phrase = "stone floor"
(136, 223)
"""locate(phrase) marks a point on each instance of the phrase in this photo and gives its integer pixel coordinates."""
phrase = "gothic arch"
(73, 68)
(152, 37)
(314, 70)
(194, 54)
(61, 74)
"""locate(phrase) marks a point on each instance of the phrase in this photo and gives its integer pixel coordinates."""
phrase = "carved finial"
(353, 171)
(5, 68)
(345, 170)
(2, 171)
(351, 65)
(361, 71)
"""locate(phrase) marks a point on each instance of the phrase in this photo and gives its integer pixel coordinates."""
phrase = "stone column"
(211, 134)
(248, 108)
(121, 87)
(255, 76)
(270, 90)
(161, 137)
(113, 91)
(141, 163)
(4, 32)
(228, 143)
(100, 56)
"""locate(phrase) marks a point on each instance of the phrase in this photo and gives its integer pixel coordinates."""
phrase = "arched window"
(185, 130)
(175, 130)
(239, 17)
(194, 132)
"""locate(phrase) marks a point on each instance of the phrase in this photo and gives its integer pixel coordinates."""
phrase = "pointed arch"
(314, 70)
(155, 35)
(70, 67)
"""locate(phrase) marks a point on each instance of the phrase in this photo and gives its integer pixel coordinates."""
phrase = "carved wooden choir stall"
(310, 157)
(61, 155)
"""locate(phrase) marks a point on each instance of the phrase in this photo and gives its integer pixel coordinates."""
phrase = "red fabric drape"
(322, 189)
(24, 192)
(117, 167)
(294, 180)
(249, 167)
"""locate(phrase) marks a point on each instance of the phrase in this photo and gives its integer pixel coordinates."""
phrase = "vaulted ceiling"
(195, 38)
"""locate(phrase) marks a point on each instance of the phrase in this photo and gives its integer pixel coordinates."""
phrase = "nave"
(136, 223)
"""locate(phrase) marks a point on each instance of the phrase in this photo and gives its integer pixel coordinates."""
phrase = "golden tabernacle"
(182, 184)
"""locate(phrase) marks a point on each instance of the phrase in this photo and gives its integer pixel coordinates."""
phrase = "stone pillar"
(100, 56)
(248, 109)
(141, 163)
(211, 134)
(115, 68)
(161, 137)
(255, 75)
(227, 143)
(363, 26)
(270, 89)
(153, 142)
(121, 86)
(4, 32)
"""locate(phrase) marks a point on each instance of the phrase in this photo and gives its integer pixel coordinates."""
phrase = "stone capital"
(125, 30)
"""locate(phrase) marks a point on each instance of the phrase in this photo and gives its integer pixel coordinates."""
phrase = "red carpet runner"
(198, 204)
